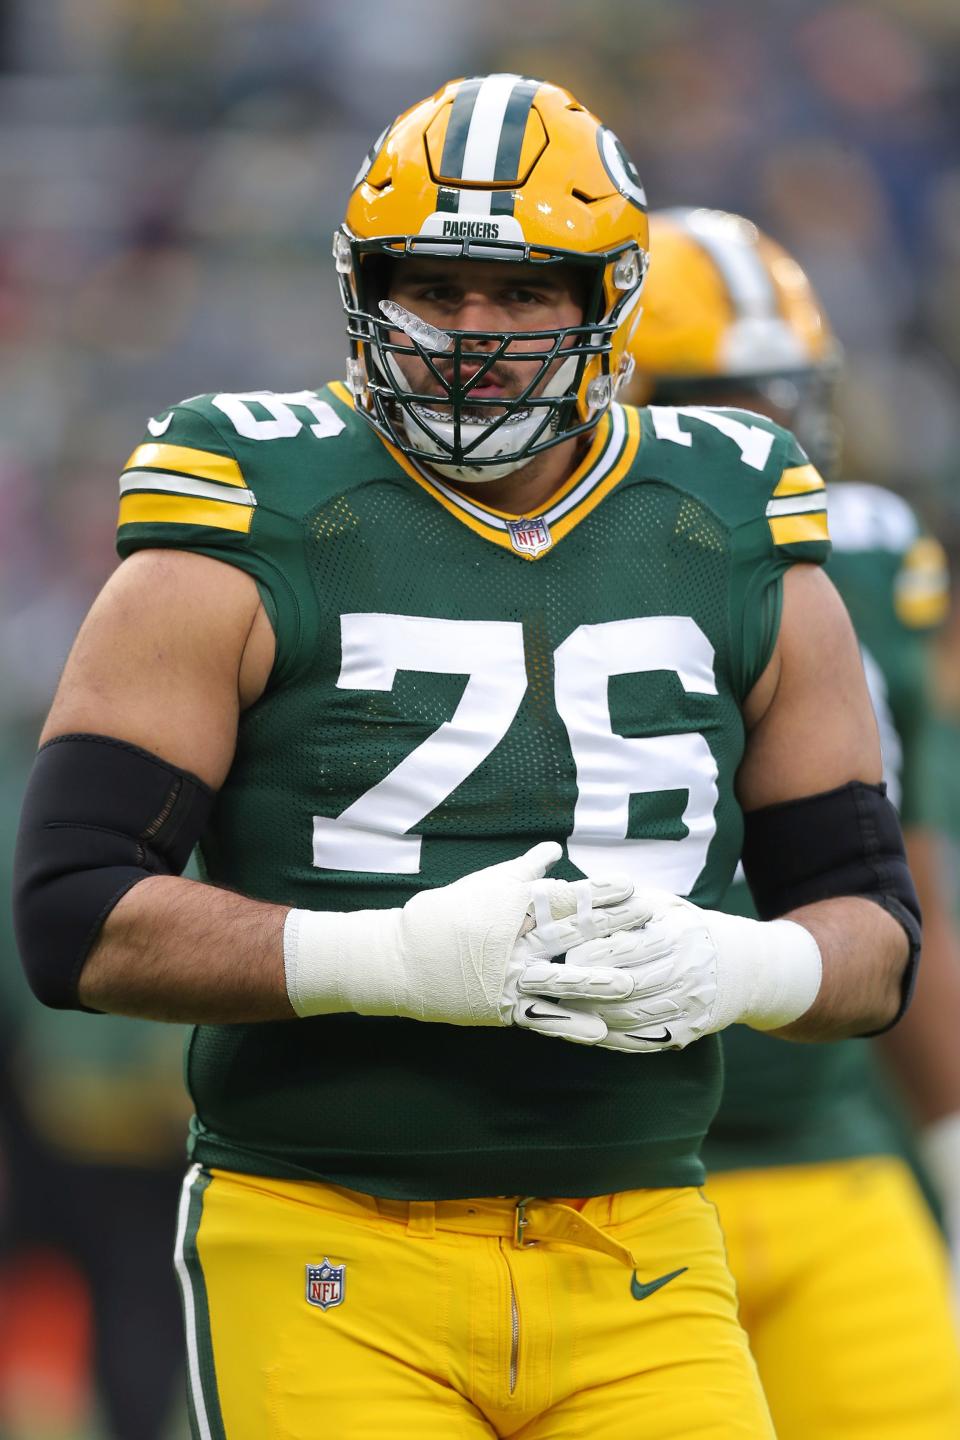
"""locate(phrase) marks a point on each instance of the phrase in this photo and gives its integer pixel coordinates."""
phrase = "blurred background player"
(840, 1270)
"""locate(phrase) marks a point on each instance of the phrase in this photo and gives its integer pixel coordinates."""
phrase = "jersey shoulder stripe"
(177, 484)
(799, 480)
(190, 478)
(797, 512)
(749, 470)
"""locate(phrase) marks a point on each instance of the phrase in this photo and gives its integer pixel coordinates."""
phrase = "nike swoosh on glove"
(477, 952)
(696, 971)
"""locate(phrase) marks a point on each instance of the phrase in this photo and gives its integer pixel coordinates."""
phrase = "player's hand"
(477, 952)
(695, 971)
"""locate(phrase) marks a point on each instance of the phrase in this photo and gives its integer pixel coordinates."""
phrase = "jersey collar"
(612, 451)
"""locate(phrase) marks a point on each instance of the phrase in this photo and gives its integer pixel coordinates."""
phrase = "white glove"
(696, 971)
(471, 953)
(939, 1146)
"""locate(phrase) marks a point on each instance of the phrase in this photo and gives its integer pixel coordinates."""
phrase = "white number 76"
(373, 833)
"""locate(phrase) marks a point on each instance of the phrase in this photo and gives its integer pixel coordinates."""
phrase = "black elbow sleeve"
(843, 842)
(98, 816)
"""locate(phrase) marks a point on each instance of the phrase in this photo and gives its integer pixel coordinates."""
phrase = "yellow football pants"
(843, 1286)
(317, 1313)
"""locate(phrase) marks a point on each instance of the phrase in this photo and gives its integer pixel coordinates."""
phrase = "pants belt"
(527, 1221)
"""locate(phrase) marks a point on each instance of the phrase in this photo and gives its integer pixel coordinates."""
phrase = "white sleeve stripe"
(185, 485)
(797, 504)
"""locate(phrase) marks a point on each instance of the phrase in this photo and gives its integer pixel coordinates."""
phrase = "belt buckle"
(522, 1223)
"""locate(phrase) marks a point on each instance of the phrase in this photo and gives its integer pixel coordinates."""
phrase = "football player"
(390, 651)
(840, 1270)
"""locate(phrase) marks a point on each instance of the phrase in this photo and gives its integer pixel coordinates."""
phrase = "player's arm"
(822, 852)
(811, 731)
(141, 735)
(173, 647)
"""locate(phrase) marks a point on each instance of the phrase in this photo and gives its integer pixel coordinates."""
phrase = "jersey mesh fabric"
(392, 1106)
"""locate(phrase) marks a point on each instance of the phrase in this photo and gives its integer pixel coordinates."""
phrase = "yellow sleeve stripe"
(922, 612)
(184, 510)
(799, 480)
(201, 463)
(798, 529)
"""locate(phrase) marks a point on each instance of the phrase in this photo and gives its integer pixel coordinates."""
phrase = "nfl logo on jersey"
(325, 1284)
(530, 537)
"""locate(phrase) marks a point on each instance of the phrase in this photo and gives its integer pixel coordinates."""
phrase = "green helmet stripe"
(458, 127)
(484, 142)
(501, 202)
(447, 198)
(507, 166)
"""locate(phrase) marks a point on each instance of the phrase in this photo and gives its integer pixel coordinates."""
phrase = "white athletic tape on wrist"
(458, 954)
(769, 971)
(319, 958)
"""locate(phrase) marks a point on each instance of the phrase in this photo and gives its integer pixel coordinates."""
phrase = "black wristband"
(842, 842)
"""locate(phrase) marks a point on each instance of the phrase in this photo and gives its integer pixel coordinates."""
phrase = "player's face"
(485, 295)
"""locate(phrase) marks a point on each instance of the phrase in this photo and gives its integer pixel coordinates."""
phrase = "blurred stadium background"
(171, 172)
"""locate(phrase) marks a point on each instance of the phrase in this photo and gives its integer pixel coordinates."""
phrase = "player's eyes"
(439, 294)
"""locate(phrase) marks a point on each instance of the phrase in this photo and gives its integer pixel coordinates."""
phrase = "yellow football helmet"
(498, 167)
(726, 313)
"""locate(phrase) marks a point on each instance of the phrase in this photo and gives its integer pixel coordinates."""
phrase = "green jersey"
(451, 685)
(787, 1104)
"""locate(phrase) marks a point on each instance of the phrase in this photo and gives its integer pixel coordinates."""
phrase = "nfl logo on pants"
(325, 1284)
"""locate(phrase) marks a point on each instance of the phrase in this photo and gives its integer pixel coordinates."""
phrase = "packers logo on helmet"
(493, 168)
(728, 313)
